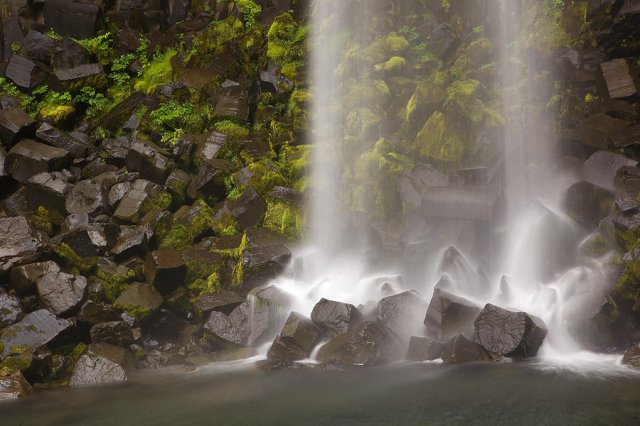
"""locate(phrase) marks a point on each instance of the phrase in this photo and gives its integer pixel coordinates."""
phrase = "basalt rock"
(80, 76)
(132, 241)
(24, 72)
(114, 332)
(601, 167)
(85, 197)
(129, 208)
(10, 310)
(335, 318)
(34, 330)
(61, 292)
(101, 364)
(402, 313)
(632, 357)
(224, 301)
(449, 315)
(587, 203)
(508, 333)
(13, 385)
(424, 349)
(23, 279)
(15, 125)
(249, 209)
(28, 158)
(283, 352)
(20, 243)
(618, 78)
(223, 327)
(301, 331)
(165, 269)
(261, 264)
(461, 350)
(73, 18)
(48, 190)
(60, 139)
(142, 296)
(95, 313)
(147, 159)
(38, 46)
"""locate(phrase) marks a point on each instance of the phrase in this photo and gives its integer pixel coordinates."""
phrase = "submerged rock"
(424, 349)
(335, 318)
(449, 315)
(508, 333)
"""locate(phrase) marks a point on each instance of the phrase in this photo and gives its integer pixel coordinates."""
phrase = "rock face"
(61, 292)
(449, 315)
(115, 333)
(10, 310)
(15, 125)
(143, 296)
(19, 242)
(301, 331)
(335, 318)
(507, 333)
(34, 330)
(461, 350)
(229, 330)
(224, 301)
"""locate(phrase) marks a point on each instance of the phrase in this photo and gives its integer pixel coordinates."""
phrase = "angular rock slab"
(165, 269)
(34, 330)
(221, 326)
(283, 352)
(72, 18)
(449, 315)
(224, 301)
(301, 331)
(61, 292)
(618, 77)
(335, 318)
(371, 344)
(143, 296)
(402, 313)
(424, 349)
(93, 369)
(508, 333)
(460, 350)
(19, 243)
(10, 310)
(23, 279)
(28, 158)
(85, 197)
(116, 333)
(15, 124)
(261, 264)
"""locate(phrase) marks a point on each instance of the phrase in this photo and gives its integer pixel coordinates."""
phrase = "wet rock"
(117, 193)
(130, 206)
(82, 75)
(28, 158)
(283, 352)
(223, 327)
(424, 349)
(90, 240)
(232, 103)
(71, 18)
(13, 385)
(38, 46)
(116, 150)
(114, 332)
(61, 292)
(177, 184)
(450, 202)
(95, 313)
(249, 209)
(10, 310)
(335, 318)
(301, 331)
(69, 54)
(261, 264)
(60, 139)
(628, 180)
(147, 159)
(97, 369)
(588, 204)
(142, 296)
(48, 190)
(34, 330)
(449, 315)
(24, 72)
(632, 357)
(402, 313)
(601, 167)
(618, 78)
(23, 279)
(15, 124)
(371, 344)
(211, 148)
(461, 350)
(624, 138)
(132, 241)
(165, 269)
(20, 243)
(85, 197)
(508, 333)
(224, 301)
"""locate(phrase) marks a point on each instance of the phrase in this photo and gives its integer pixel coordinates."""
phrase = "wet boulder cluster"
(151, 177)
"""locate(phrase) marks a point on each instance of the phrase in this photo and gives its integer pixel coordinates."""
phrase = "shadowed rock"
(632, 357)
(283, 352)
(95, 313)
(38, 46)
(56, 137)
(461, 350)
(114, 332)
(48, 190)
(23, 279)
(10, 310)
(132, 241)
(19, 242)
(28, 158)
(147, 159)
(261, 264)
(73, 18)
(24, 72)
(249, 209)
(165, 269)
(15, 124)
(34, 330)
(301, 331)
(508, 333)
(85, 74)
(224, 301)
(335, 318)
(61, 292)
(587, 203)
(402, 313)
(449, 315)
(424, 349)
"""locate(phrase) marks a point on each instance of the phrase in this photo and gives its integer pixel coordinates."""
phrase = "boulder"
(129, 209)
(20, 243)
(301, 331)
(48, 190)
(117, 193)
(10, 310)
(34, 330)
(588, 204)
(449, 315)
(116, 150)
(632, 357)
(165, 269)
(69, 54)
(100, 365)
(116, 333)
(508, 333)
(424, 349)
(23, 279)
(211, 148)
(624, 138)
(24, 72)
(403, 313)
(131, 241)
(628, 181)
(228, 329)
(55, 137)
(73, 18)
(142, 296)
(283, 352)
(13, 385)
(223, 301)
(262, 264)
(95, 313)
(249, 209)
(15, 124)
(602, 166)
(28, 158)
(90, 240)
(80, 76)
(38, 46)
(61, 292)
(618, 78)
(232, 103)
(177, 184)
(147, 159)
(335, 318)
(461, 350)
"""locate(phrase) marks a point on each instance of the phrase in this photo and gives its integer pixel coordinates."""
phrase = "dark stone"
(23, 279)
(15, 125)
(48, 190)
(86, 197)
(177, 184)
(24, 72)
(38, 46)
(223, 327)
(507, 333)
(209, 181)
(69, 54)
(224, 301)
(284, 352)
(143, 296)
(632, 357)
(28, 158)
(91, 240)
(461, 350)
(624, 138)
(34, 330)
(628, 180)
(114, 332)
(261, 264)
(95, 313)
(10, 310)
(82, 75)
(131, 204)
(371, 344)
(335, 318)
(232, 103)
(601, 167)
(73, 18)
(20, 243)
(13, 386)
(424, 349)
(618, 78)
(132, 241)
(588, 204)
(449, 315)
(61, 292)
(100, 365)
(117, 193)
(56, 137)
(165, 269)
(147, 159)
(116, 150)
(211, 148)
(249, 209)
(402, 313)
(301, 331)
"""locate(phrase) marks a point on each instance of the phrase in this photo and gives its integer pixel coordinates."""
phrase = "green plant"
(156, 72)
(96, 102)
(100, 46)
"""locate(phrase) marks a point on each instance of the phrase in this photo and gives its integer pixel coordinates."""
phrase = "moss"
(362, 122)
(294, 161)
(18, 361)
(438, 141)
(42, 220)
(156, 73)
(78, 264)
(114, 284)
(56, 113)
(209, 285)
(285, 44)
(181, 235)
(284, 218)
(396, 43)
(162, 201)
(250, 11)
(175, 117)
(137, 312)
(232, 129)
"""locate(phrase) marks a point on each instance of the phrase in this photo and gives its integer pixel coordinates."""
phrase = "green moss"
(56, 113)
(285, 44)
(284, 218)
(42, 220)
(19, 360)
(78, 264)
(137, 312)
(250, 11)
(209, 285)
(156, 73)
(438, 141)
(175, 117)
(162, 201)
(113, 285)
(100, 46)
(181, 235)
(232, 129)
(396, 43)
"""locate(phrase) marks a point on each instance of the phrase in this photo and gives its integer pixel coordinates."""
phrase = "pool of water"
(533, 393)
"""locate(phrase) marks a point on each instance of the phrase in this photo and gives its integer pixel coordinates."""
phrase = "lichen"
(156, 73)
(284, 218)
(78, 264)
(112, 285)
